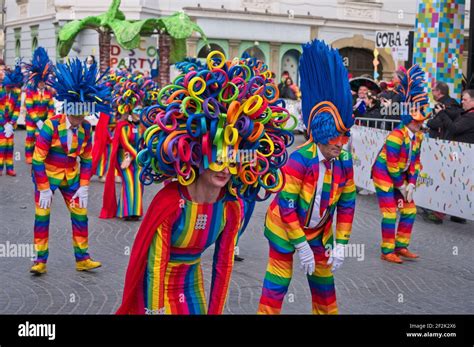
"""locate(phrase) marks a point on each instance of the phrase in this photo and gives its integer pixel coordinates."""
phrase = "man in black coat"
(462, 128)
(445, 106)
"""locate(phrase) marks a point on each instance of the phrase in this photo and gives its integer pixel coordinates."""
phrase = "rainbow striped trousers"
(78, 219)
(104, 161)
(6, 152)
(131, 196)
(278, 277)
(389, 202)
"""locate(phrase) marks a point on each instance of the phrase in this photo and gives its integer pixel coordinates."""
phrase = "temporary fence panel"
(446, 181)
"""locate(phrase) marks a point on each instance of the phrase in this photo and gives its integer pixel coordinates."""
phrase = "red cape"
(109, 200)
(101, 139)
(164, 205)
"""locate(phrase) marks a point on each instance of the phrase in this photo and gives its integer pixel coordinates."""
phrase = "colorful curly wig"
(326, 93)
(226, 114)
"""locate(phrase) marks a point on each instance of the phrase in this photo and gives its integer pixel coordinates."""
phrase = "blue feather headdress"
(14, 78)
(326, 93)
(40, 69)
(78, 84)
(414, 98)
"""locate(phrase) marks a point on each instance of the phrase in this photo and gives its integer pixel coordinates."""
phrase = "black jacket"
(436, 124)
(462, 128)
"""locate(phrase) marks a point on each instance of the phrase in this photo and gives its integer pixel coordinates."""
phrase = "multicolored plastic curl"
(131, 90)
(224, 114)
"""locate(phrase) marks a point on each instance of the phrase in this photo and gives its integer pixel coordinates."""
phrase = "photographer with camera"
(445, 107)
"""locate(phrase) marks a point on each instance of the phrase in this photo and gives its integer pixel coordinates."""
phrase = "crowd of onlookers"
(449, 120)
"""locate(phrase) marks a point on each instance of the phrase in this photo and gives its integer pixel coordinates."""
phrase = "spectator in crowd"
(90, 60)
(461, 129)
(288, 91)
(445, 107)
(285, 74)
(373, 111)
(360, 103)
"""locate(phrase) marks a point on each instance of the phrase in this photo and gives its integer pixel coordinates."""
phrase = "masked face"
(220, 165)
(216, 179)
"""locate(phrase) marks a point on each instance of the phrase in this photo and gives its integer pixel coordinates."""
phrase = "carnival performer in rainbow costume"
(319, 183)
(397, 166)
(221, 132)
(10, 101)
(65, 138)
(129, 96)
(104, 131)
(39, 99)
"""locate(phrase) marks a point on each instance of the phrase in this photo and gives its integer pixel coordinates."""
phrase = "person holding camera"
(445, 107)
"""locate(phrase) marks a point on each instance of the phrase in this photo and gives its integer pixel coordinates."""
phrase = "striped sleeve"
(29, 104)
(223, 261)
(127, 146)
(393, 146)
(43, 144)
(294, 171)
(346, 203)
(86, 160)
(15, 106)
(51, 108)
(416, 167)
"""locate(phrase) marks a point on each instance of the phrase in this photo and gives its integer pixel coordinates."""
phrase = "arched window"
(204, 51)
(255, 52)
(359, 61)
(18, 48)
(290, 62)
(34, 44)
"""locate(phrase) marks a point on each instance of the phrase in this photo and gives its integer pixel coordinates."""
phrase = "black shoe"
(431, 218)
(458, 220)
(237, 258)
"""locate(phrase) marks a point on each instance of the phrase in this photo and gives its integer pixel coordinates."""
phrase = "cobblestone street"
(440, 282)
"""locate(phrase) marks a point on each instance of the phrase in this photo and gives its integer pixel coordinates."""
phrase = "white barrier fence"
(446, 182)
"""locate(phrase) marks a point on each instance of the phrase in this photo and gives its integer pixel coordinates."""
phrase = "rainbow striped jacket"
(388, 170)
(52, 162)
(10, 101)
(288, 215)
(37, 107)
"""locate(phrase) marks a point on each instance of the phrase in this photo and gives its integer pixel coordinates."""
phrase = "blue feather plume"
(412, 91)
(77, 83)
(14, 78)
(40, 69)
(324, 78)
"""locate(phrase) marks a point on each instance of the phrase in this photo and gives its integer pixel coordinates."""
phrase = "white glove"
(336, 257)
(39, 124)
(410, 192)
(403, 190)
(46, 196)
(305, 253)
(82, 193)
(8, 130)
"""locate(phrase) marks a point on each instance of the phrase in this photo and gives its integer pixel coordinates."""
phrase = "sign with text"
(397, 41)
(145, 57)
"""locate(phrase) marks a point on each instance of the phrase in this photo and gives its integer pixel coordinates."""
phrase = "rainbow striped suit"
(391, 170)
(287, 222)
(54, 166)
(173, 282)
(10, 102)
(38, 108)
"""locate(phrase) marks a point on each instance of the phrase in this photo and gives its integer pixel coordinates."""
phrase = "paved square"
(441, 282)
